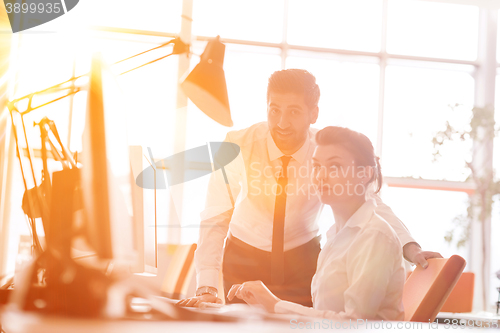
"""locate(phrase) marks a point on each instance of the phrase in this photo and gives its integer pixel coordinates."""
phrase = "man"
(272, 232)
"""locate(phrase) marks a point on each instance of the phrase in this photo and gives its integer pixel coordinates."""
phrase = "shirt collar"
(275, 153)
(359, 219)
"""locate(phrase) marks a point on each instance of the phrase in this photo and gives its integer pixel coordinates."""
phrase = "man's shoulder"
(249, 135)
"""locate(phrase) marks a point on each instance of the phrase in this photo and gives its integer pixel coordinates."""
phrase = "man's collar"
(275, 153)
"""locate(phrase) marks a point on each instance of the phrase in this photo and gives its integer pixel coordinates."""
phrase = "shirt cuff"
(208, 278)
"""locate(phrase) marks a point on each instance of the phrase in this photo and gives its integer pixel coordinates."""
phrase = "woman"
(360, 272)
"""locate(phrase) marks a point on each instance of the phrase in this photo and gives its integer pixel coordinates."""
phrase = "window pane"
(428, 215)
(430, 29)
(151, 97)
(155, 15)
(150, 92)
(258, 20)
(247, 70)
(417, 106)
(350, 25)
(195, 192)
(42, 60)
(349, 92)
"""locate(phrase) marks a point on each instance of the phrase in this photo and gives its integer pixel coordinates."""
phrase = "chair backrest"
(461, 297)
(426, 290)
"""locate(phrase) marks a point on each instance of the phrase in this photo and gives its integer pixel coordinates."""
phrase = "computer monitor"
(106, 179)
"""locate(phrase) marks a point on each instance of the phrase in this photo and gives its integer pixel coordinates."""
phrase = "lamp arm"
(154, 48)
(179, 48)
(57, 156)
(72, 92)
(66, 153)
(150, 62)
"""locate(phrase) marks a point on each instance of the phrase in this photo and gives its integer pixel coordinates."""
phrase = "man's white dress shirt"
(252, 178)
(360, 273)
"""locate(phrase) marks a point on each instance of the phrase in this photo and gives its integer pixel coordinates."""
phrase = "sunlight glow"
(416, 94)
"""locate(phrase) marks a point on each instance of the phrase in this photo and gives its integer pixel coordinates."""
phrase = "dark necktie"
(277, 255)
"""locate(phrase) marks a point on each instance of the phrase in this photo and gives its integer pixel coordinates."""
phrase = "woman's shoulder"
(379, 229)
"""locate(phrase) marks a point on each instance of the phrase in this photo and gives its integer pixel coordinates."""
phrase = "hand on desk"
(254, 293)
(413, 252)
(197, 301)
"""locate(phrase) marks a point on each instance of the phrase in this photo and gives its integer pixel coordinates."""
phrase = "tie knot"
(285, 160)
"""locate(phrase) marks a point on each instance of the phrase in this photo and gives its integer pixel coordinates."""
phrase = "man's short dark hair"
(296, 81)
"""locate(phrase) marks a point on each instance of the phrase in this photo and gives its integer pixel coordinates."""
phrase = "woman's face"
(337, 176)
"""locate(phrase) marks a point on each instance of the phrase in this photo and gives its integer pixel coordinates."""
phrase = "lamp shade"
(206, 86)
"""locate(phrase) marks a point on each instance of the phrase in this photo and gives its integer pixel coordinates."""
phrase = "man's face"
(289, 119)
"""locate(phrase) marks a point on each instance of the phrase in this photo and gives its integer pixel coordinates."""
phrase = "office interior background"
(395, 70)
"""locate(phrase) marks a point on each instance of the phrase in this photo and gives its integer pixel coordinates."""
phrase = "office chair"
(426, 290)
(461, 297)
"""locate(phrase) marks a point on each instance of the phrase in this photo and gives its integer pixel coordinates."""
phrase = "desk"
(16, 322)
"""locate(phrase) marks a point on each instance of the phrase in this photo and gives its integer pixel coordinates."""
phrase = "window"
(428, 215)
(430, 29)
(258, 20)
(349, 25)
(417, 106)
(349, 91)
(154, 15)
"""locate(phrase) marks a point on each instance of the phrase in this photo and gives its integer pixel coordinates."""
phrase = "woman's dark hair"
(358, 144)
(296, 81)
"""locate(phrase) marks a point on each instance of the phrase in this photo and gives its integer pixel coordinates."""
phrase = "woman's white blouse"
(360, 272)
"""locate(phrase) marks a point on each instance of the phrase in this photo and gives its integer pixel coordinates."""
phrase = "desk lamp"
(206, 84)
